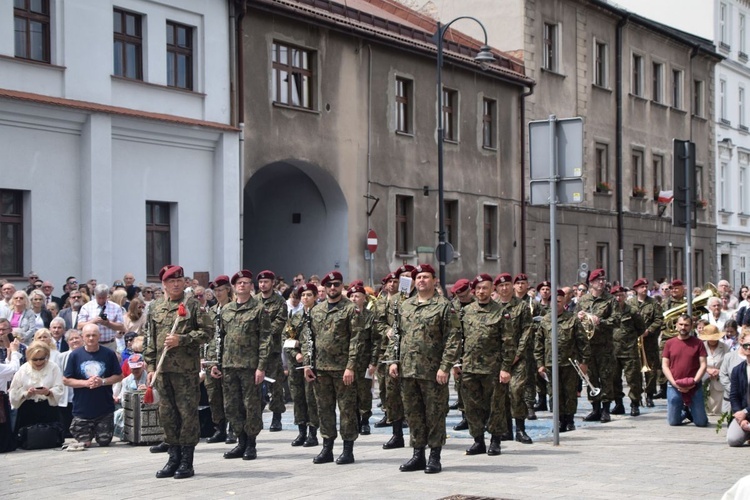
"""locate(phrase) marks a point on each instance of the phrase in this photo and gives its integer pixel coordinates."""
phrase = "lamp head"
(484, 56)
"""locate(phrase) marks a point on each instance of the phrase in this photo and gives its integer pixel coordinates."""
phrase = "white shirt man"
(104, 313)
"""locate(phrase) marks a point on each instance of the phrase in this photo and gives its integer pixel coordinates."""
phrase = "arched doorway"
(295, 221)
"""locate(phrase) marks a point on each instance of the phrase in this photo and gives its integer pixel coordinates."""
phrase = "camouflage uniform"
(380, 311)
(488, 348)
(336, 329)
(458, 306)
(178, 383)
(522, 336)
(627, 356)
(602, 349)
(650, 312)
(369, 347)
(667, 334)
(213, 385)
(394, 404)
(430, 340)
(275, 306)
(536, 384)
(303, 396)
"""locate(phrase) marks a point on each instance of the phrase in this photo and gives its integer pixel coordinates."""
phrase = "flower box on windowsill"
(603, 200)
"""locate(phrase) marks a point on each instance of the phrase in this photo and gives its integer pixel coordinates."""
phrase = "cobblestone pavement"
(628, 458)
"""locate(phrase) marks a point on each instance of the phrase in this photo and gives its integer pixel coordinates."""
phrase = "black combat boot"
(220, 433)
(397, 439)
(494, 448)
(301, 437)
(347, 456)
(416, 462)
(530, 413)
(238, 450)
(541, 404)
(463, 424)
(662, 394)
(649, 400)
(634, 410)
(383, 422)
(508, 434)
(563, 424)
(596, 412)
(312, 437)
(231, 437)
(326, 454)
(521, 435)
(159, 448)
(172, 464)
(185, 469)
(454, 406)
(571, 423)
(275, 423)
(619, 408)
(478, 446)
(605, 413)
(250, 452)
(433, 463)
(364, 425)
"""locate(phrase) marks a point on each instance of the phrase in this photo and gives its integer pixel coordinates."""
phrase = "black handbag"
(40, 436)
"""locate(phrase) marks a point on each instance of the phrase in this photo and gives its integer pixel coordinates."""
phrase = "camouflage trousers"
(632, 369)
(303, 397)
(480, 405)
(85, 430)
(534, 382)
(382, 376)
(275, 370)
(364, 392)
(394, 402)
(425, 408)
(568, 388)
(515, 402)
(457, 387)
(178, 407)
(651, 346)
(329, 390)
(600, 369)
(215, 397)
(242, 404)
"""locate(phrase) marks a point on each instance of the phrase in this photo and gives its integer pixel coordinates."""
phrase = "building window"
(657, 161)
(32, 29)
(403, 105)
(292, 76)
(601, 64)
(602, 256)
(723, 26)
(741, 106)
(723, 201)
(639, 264)
(677, 88)
(451, 222)
(404, 224)
(450, 115)
(158, 237)
(490, 232)
(11, 232)
(658, 82)
(698, 98)
(636, 169)
(723, 102)
(128, 45)
(699, 182)
(637, 83)
(489, 107)
(179, 56)
(677, 263)
(743, 43)
(742, 193)
(551, 48)
(601, 160)
(698, 267)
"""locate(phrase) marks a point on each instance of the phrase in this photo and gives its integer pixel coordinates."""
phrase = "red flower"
(181, 311)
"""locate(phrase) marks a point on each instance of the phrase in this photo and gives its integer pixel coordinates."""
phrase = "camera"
(103, 316)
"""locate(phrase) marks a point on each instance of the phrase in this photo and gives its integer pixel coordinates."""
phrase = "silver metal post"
(553, 278)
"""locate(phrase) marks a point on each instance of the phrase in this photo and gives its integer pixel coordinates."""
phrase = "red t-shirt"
(684, 356)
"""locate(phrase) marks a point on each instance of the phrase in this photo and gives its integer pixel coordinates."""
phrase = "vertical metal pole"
(553, 278)
(688, 228)
(441, 194)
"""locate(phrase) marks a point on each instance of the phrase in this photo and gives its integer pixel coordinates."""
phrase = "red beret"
(560, 292)
(406, 268)
(481, 278)
(241, 274)
(332, 276)
(676, 282)
(543, 283)
(616, 289)
(640, 282)
(220, 281)
(357, 283)
(460, 286)
(503, 278)
(596, 274)
(520, 277)
(170, 271)
(307, 287)
(388, 277)
(357, 289)
(266, 275)
(422, 268)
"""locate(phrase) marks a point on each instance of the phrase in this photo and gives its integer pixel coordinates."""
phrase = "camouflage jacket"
(572, 342)
(523, 326)
(605, 307)
(651, 314)
(337, 332)
(626, 333)
(369, 340)
(385, 315)
(247, 335)
(488, 345)
(275, 307)
(194, 330)
(210, 346)
(296, 330)
(430, 337)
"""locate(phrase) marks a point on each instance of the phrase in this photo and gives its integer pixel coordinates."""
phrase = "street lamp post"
(484, 56)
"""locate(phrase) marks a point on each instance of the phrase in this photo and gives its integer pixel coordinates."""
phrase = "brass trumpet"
(594, 391)
(699, 307)
(644, 360)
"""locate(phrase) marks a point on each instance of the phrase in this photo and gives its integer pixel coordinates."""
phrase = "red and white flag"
(665, 197)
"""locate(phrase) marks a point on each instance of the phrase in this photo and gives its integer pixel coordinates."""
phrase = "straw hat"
(710, 332)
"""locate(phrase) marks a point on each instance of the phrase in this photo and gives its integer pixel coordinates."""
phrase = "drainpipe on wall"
(522, 105)
(241, 122)
(618, 150)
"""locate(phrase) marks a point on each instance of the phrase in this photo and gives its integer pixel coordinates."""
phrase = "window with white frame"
(636, 169)
(723, 201)
(741, 193)
(657, 162)
(677, 78)
(743, 43)
(601, 163)
(657, 87)
(551, 47)
(698, 98)
(741, 107)
(723, 102)
(601, 63)
(723, 25)
(637, 76)
(639, 264)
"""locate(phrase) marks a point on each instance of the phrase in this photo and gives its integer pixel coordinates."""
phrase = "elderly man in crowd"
(105, 314)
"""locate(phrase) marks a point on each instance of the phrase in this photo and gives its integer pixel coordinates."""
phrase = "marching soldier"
(369, 345)
(223, 293)
(242, 359)
(599, 309)
(536, 384)
(336, 325)
(461, 290)
(572, 344)
(627, 356)
(651, 313)
(177, 338)
(487, 355)
(676, 298)
(429, 347)
(297, 341)
(275, 307)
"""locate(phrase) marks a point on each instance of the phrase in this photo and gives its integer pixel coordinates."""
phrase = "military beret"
(170, 271)
(220, 280)
(332, 276)
(616, 289)
(266, 275)
(422, 268)
(388, 277)
(241, 274)
(640, 282)
(520, 277)
(481, 278)
(406, 268)
(356, 283)
(543, 283)
(596, 274)
(677, 283)
(357, 289)
(307, 287)
(503, 278)
(460, 286)
(560, 292)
